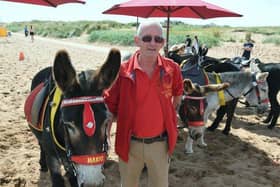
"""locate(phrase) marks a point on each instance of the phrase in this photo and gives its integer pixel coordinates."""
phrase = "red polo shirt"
(148, 116)
(121, 101)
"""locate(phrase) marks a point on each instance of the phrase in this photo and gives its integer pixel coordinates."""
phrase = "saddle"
(240, 62)
(195, 73)
(192, 111)
(35, 105)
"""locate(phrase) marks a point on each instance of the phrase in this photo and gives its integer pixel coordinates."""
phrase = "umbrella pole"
(167, 34)
(137, 23)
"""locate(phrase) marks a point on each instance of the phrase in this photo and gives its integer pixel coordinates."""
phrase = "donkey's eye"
(70, 126)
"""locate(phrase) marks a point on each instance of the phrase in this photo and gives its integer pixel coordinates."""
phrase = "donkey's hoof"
(188, 152)
(212, 129)
(202, 145)
(225, 132)
(44, 169)
(266, 121)
(270, 126)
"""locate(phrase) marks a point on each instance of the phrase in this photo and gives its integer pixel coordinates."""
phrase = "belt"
(159, 138)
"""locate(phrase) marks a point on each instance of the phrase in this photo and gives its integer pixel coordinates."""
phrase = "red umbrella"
(53, 3)
(170, 8)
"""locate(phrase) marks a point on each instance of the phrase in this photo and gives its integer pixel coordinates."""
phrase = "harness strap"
(205, 76)
(196, 123)
(90, 159)
(54, 107)
(256, 87)
(221, 94)
(71, 167)
(201, 102)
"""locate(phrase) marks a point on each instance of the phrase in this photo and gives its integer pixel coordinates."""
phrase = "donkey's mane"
(232, 77)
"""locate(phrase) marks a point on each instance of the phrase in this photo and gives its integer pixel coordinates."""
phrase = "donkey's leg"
(219, 116)
(275, 118)
(273, 100)
(52, 159)
(201, 142)
(230, 113)
(269, 117)
(189, 143)
(42, 161)
(275, 109)
(275, 115)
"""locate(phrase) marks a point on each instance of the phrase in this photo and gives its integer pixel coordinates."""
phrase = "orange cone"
(21, 56)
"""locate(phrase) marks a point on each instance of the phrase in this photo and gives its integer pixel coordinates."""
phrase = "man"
(144, 99)
(248, 46)
(32, 33)
(25, 31)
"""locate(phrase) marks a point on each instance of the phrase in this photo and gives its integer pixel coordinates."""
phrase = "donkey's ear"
(63, 71)
(204, 51)
(108, 71)
(254, 66)
(261, 76)
(257, 61)
(194, 51)
(200, 51)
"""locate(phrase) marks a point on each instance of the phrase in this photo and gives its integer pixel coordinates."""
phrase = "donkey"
(202, 62)
(193, 103)
(72, 123)
(273, 80)
(241, 83)
(260, 92)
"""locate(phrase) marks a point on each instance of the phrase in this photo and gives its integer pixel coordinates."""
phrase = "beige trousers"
(154, 156)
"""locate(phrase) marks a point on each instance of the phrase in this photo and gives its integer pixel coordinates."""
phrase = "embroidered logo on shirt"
(167, 86)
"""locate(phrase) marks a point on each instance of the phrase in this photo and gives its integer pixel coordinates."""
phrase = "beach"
(248, 157)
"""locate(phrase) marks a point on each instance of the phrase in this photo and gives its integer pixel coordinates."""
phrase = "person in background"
(247, 46)
(144, 100)
(32, 33)
(25, 31)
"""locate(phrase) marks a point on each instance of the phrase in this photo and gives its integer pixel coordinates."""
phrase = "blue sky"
(255, 12)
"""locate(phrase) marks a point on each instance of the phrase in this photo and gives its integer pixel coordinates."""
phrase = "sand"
(248, 157)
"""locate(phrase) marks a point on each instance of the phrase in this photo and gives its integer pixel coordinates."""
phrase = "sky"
(255, 12)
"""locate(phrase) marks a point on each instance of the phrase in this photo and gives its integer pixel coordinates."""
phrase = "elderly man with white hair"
(144, 99)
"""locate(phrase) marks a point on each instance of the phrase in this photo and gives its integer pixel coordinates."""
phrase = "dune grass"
(272, 39)
(112, 32)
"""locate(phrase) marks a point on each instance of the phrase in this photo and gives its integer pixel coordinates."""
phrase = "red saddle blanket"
(34, 106)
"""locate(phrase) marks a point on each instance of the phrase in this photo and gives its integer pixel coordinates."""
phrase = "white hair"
(148, 24)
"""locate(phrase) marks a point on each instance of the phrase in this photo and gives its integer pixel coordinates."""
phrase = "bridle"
(255, 87)
(202, 106)
(89, 129)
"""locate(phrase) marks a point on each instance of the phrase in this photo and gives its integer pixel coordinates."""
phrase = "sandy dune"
(248, 157)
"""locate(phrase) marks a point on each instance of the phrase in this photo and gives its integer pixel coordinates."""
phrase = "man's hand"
(177, 102)
(111, 117)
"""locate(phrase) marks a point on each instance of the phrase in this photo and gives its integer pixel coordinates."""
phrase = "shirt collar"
(136, 63)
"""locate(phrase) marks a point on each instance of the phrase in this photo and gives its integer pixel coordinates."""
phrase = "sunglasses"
(148, 38)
